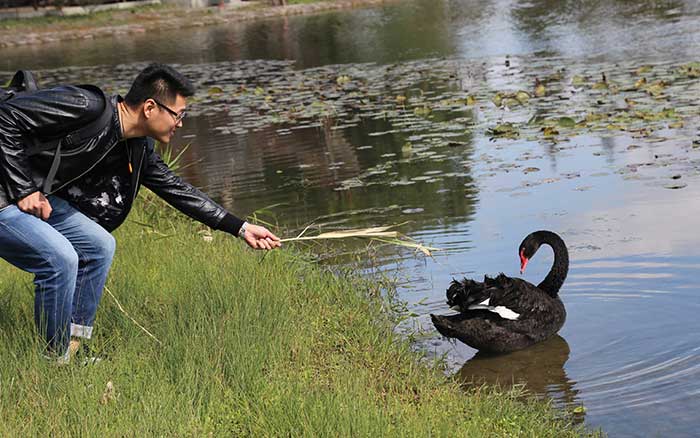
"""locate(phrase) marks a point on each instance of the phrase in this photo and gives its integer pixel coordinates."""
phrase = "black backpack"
(23, 82)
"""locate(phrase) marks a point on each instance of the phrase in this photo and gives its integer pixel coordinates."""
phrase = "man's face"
(164, 117)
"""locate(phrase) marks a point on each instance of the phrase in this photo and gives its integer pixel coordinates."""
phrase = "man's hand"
(258, 237)
(35, 204)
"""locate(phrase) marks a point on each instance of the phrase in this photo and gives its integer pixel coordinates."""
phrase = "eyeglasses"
(178, 116)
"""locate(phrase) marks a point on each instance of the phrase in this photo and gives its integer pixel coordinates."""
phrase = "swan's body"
(505, 314)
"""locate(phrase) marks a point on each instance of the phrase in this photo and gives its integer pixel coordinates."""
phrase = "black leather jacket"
(56, 112)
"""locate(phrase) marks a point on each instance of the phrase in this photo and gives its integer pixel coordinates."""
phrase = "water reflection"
(304, 168)
(249, 171)
(400, 31)
(540, 369)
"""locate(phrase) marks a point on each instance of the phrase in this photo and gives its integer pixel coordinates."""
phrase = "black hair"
(160, 82)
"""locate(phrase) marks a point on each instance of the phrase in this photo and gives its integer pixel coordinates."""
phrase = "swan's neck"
(555, 279)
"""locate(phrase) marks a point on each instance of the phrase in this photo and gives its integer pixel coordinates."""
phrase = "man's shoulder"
(91, 94)
(70, 90)
(90, 98)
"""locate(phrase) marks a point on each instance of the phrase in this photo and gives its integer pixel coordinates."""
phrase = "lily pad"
(506, 130)
(655, 89)
(577, 81)
(550, 131)
(522, 96)
(566, 122)
(342, 80)
(540, 89)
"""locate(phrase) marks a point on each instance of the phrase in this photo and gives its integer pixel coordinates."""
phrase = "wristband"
(241, 231)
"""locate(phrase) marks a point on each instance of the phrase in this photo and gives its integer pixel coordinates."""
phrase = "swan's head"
(527, 249)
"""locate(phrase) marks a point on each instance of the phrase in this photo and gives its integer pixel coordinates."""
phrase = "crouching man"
(59, 200)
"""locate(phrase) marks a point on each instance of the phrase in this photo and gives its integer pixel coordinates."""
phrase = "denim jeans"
(70, 256)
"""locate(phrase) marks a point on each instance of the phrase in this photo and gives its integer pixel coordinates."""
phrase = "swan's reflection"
(540, 368)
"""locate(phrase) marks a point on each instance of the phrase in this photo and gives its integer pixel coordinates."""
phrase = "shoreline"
(248, 345)
(142, 21)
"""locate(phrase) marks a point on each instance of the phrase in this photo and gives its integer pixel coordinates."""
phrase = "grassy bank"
(251, 345)
(95, 19)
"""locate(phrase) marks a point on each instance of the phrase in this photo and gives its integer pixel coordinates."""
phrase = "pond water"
(384, 116)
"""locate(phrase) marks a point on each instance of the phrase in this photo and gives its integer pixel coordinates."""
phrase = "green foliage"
(70, 22)
(170, 158)
(252, 346)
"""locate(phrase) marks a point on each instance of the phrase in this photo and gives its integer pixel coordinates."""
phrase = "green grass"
(252, 345)
(114, 17)
(96, 19)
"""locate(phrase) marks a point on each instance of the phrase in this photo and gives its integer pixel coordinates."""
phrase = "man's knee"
(64, 260)
(106, 245)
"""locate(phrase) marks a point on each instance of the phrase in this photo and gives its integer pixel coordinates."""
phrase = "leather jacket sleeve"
(48, 113)
(189, 200)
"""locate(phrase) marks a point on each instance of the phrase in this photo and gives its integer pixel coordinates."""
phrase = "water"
(628, 352)
(407, 30)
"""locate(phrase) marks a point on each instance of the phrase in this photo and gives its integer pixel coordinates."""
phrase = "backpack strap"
(48, 181)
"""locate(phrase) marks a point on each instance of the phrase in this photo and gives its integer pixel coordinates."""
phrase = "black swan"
(505, 314)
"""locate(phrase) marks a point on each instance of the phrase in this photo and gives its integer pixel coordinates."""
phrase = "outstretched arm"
(158, 177)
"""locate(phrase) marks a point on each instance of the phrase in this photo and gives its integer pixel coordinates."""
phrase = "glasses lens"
(177, 116)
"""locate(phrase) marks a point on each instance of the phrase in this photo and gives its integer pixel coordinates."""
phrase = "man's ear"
(148, 108)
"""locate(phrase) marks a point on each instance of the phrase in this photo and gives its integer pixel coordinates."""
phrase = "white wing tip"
(506, 313)
(502, 311)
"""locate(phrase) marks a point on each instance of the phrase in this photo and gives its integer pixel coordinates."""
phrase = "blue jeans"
(70, 256)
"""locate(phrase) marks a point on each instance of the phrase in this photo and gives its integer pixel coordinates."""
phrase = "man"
(58, 206)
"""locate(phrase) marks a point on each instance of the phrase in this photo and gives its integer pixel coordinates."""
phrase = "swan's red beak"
(523, 262)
